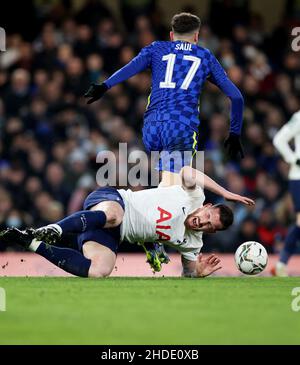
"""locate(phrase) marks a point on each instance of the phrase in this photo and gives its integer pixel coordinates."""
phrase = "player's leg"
(177, 144)
(73, 224)
(101, 247)
(102, 208)
(183, 145)
(156, 255)
(68, 240)
(179, 147)
(293, 236)
(67, 259)
(102, 259)
(152, 136)
(290, 247)
(169, 178)
(153, 144)
(95, 260)
(95, 257)
(180, 142)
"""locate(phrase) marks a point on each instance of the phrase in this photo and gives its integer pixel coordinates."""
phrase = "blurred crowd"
(50, 137)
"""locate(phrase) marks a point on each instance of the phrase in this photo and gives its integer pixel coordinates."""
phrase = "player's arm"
(191, 178)
(219, 77)
(201, 267)
(139, 63)
(284, 136)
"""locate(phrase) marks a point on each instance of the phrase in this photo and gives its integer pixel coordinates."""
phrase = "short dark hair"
(226, 215)
(185, 23)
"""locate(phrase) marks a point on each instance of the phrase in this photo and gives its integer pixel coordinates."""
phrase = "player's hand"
(238, 198)
(95, 92)
(207, 266)
(233, 146)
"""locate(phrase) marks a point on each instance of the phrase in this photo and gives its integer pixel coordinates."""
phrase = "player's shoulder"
(195, 234)
(156, 47)
(197, 193)
(174, 191)
(160, 44)
(207, 57)
(194, 240)
(207, 52)
(203, 49)
(171, 189)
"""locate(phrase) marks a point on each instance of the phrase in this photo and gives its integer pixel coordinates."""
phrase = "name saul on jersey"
(183, 47)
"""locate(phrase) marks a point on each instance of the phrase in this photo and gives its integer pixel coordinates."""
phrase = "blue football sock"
(290, 244)
(68, 240)
(65, 258)
(83, 221)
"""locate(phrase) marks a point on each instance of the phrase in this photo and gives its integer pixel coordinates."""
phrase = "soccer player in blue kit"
(179, 70)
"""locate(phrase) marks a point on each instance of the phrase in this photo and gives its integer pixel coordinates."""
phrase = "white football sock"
(34, 245)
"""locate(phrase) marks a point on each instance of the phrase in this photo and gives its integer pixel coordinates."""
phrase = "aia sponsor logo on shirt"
(162, 228)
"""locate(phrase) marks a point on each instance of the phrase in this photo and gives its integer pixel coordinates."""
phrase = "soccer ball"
(251, 258)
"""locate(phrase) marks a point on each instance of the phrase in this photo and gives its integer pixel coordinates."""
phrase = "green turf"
(149, 311)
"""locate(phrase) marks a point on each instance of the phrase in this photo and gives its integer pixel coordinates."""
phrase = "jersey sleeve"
(191, 255)
(139, 63)
(285, 135)
(219, 77)
(193, 245)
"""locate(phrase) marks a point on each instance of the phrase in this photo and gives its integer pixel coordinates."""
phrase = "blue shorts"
(171, 137)
(294, 187)
(108, 237)
(103, 195)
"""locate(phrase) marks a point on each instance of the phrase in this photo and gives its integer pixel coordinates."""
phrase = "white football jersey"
(290, 131)
(158, 215)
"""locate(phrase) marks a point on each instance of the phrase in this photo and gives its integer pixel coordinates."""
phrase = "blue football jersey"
(179, 71)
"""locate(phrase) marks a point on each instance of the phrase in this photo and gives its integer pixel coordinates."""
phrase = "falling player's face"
(205, 219)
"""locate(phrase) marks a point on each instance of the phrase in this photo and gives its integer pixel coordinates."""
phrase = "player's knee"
(98, 269)
(98, 273)
(113, 211)
(114, 217)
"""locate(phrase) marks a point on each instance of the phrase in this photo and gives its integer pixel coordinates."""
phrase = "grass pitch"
(149, 311)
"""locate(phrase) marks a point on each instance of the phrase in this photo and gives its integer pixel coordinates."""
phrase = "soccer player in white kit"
(173, 215)
(288, 133)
